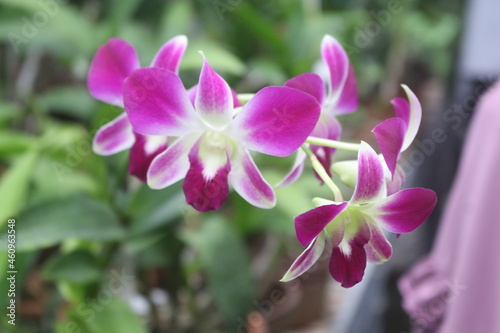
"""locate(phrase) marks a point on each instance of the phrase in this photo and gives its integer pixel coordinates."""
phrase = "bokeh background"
(97, 251)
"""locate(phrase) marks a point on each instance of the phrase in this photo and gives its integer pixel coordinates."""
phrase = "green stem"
(320, 170)
(332, 143)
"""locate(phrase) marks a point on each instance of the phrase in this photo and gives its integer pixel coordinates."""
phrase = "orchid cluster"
(204, 135)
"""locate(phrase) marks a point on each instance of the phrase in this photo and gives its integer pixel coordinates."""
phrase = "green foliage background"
(81, 220)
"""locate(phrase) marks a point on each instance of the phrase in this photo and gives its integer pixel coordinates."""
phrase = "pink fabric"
(457, 287)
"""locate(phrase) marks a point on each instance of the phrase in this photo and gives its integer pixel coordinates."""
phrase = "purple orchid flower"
(112, 64)
(395, 135)
(212, 148)
(354, 227)
(337, 96)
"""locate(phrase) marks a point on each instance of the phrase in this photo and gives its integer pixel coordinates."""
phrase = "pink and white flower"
(337, 96)
(395, 135)
(353, 228)
(112, 64)
(212, 148)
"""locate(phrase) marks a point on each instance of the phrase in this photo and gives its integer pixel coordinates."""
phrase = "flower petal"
(348, 100)
(348, 263)
(336, 60)
(395, 183)
(309, 83)
(143, 152)
(403, 211)
(204, 191)
(415, 118)
(194, 90)
(402, 109)
(378, 249)
(309, 224)
(248, 182)
(157, 103)
(115, 136)
(170, 54)
(112, 64)
(171, 165)
(277, 120)
(327, 127)
(214, 99)
(305, 261)
(390, 135)
(370, 185)
(296, 171)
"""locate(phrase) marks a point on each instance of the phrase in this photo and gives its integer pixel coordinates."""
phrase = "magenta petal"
(308, 83)
(349, 268)
(277, 120)
(248, 182)
(327, 127)
(402, 109)
(396, 183)
(214, 99)
(348, 100)
(157, 103)
(115, 136)
(171, 165)
(404, 211)
(202, 193)
(296, 171)
(414, 119)
(309, 224)
(142, 153)
(112, 64)
(370, 185)
(378, 249)
(170, 55)
(194, 89)
(306, 259)
(390, 135)
(337, 62)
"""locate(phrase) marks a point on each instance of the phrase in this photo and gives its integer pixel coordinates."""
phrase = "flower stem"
(320, 170)
(332, 143)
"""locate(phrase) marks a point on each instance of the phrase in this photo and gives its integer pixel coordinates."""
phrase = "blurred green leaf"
(102, 315)
(71, 101)
(121, 14)
(9, 111)
(14, 142)
(150, 209)
(54, 180)
(78, 266)
(226, 263)
(63, 26)
(14, 185)
(79, 217)
(177, 19)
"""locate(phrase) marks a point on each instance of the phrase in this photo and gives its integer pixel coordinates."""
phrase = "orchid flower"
(337, 96)
(353, 228)
(112, 64)
(212, 148)
(394, 136)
